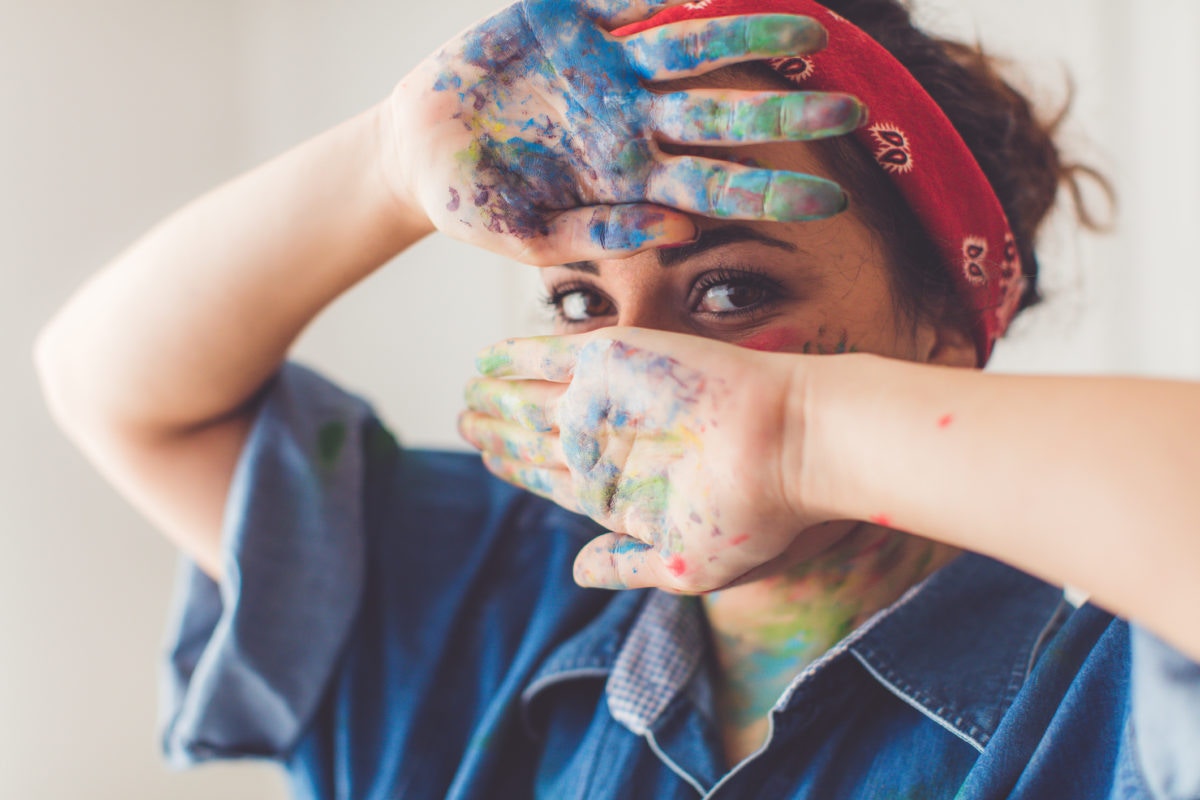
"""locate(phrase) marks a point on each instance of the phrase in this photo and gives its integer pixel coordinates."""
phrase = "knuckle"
(694, 46)
(716, 190)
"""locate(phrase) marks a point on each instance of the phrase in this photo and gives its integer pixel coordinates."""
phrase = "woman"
(394, 622)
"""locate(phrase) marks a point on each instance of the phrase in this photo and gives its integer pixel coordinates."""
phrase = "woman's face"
(810, 287)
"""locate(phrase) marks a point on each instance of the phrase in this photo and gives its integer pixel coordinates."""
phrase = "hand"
(675, 443)
(533, 135)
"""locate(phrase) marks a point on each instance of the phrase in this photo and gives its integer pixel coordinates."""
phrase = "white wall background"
(114, 113)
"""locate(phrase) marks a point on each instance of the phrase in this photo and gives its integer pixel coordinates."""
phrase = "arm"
(1089, 482)
(710, 461)
(153, 365)
(498, 139)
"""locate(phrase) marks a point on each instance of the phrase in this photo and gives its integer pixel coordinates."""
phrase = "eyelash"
(754, 277)
(553, 300)
(746, 276)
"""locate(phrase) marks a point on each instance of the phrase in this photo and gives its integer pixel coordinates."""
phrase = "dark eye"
(731, 296)
(735, 292)
(579, 305)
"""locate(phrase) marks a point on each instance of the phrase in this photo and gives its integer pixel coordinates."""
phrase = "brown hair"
(1013, 144)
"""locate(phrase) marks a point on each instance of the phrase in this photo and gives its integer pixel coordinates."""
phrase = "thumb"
(617, 561)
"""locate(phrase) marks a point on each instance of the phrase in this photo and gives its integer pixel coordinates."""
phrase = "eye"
(726, 297)
(575, 305)
(729, 293)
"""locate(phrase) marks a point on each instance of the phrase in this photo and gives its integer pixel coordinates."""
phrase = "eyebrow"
(709, 240)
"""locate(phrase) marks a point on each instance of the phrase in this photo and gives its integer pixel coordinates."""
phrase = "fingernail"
(800, 198)
(835, 112)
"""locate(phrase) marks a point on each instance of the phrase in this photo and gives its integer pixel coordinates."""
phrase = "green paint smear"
(331, 438)
(649, 495)
(492, 362)
(379, 443)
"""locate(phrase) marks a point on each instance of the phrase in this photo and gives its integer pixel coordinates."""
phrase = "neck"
(767, 632)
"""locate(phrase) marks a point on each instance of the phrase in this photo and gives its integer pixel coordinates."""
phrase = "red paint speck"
(676, 565)
(745, 537)
(882, 519)
(946, 421)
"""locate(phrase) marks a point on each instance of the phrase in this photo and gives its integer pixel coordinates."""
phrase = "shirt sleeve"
(249, 659)
(1166, 716)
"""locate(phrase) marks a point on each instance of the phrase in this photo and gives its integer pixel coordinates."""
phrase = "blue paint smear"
(629, 545)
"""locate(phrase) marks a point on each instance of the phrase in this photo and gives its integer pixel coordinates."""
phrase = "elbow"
(50, 364)
(45, 366)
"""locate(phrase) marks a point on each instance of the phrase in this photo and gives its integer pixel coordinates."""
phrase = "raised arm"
(531, 134)
(709, 462)
(1090, 482)
(153, 365)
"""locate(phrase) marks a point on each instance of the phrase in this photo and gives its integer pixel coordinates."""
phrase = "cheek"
(772, 340)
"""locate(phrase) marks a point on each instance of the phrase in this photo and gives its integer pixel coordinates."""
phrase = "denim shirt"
(398, 623)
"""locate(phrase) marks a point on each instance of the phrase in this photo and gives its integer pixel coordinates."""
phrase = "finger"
(729, 191)
(530, 404)
(684, 49)
(615, 13)
(505, 439)
(548, 358)
(607, 232)
(617, 561)
(552, 484)
(733, 117)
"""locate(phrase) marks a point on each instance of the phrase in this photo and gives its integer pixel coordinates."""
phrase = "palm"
(535, 132)
(527, 120)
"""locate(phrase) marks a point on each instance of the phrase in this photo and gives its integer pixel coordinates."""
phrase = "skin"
(675, 444)
(539, 135)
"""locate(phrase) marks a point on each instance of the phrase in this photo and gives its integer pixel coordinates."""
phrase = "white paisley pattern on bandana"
(796, 69)
(892, 149)
(975, 250)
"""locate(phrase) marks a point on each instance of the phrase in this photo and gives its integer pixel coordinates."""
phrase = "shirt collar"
(957, 646)
(658, 659)
(961, 644)
(590, 653)
(647, 644)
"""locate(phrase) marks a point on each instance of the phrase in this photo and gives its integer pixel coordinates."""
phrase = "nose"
(646, 295)
(655, 313)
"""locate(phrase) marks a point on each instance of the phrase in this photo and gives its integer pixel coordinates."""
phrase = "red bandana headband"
(916, 145)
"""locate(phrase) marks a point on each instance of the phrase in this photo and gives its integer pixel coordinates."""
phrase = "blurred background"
(113, 114)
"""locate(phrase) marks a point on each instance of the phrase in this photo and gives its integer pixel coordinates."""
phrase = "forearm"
(1082, 481)
(187, 324)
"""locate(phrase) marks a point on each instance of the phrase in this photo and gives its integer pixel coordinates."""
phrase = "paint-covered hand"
(534, 133)
(674, 443)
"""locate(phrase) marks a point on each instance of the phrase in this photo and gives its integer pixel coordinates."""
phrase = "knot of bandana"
(914, 142)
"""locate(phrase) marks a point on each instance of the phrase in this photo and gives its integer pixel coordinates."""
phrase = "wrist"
(824, 438)
(396, 178)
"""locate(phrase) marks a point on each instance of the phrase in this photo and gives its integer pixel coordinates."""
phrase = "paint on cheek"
(882, 519)
(770, 340)
(946, 421)
(741, 539)
(676, 565)
(455, 200)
